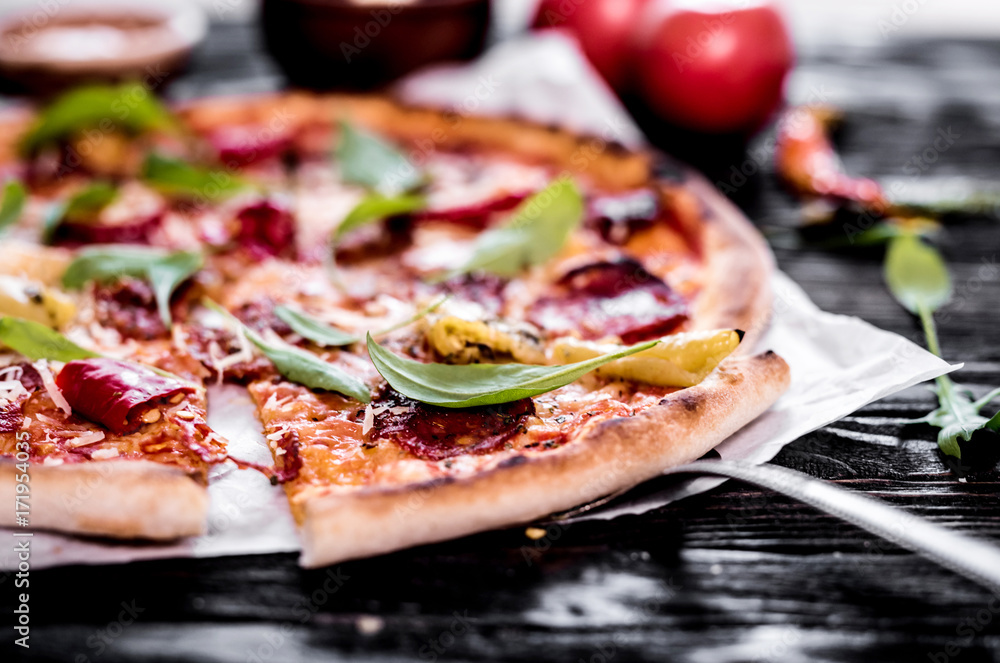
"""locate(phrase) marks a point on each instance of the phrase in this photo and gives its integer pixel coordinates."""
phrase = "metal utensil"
(977, 560)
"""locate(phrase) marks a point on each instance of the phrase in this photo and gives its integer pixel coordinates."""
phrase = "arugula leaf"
(536, 231)
(324, 335)
(36, 341)
(374, 207)
(370, 161)
(164, 271)
(180, 179)
(456, 386)
(916, 274)
(918, 278)
(298, 365)
(14, 198)
(129, 107)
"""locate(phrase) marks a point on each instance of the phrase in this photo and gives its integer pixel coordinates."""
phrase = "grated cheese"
(42, 366)
(104, 454)
(11, 388)
(89, 437)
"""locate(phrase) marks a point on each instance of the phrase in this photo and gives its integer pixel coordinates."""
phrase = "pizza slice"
(596, 328)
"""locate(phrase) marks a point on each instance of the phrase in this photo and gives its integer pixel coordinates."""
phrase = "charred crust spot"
(513, 461)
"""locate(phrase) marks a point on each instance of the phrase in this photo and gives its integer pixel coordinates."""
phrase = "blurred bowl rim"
(184, 18)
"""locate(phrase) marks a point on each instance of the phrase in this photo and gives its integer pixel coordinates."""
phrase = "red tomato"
(717, 66)
(603, 28)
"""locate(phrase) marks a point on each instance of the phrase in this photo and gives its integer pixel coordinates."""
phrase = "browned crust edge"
(123, 499)
(612, 454)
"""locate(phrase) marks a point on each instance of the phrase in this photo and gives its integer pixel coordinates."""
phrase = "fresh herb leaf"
(310, 328)
(916, 274)
(298, 365)
(324, 335)
(164, 271)
(536, 231)
(309, 370)
(14, 198)
(918, 278)
(36, 341)
(82, 205)
(374, 207)
(91, 200)
(130, 108)
(457, 386)
(180, 179)
(370, 161)
(167, 274)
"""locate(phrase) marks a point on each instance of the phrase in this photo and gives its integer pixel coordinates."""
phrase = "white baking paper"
(838, 363)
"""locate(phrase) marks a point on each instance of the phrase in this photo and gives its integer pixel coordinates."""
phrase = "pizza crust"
(611, 455)
(123, 499)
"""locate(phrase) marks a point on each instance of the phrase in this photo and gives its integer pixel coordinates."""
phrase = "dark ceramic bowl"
(362, 45)
(98, 41)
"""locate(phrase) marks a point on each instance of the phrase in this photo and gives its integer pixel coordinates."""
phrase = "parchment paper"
(838, 363)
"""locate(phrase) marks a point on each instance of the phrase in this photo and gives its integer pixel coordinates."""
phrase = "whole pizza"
(446, 323)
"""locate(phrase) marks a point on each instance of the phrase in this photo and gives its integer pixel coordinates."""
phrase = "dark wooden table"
(734, 575)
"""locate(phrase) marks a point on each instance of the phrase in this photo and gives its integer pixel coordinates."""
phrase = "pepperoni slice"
(486, 290)
(239, 146)
(610, 299)
(12, 411)
(79, 233)
(11, 416)
(266, 229)
(435, 433)
(129, 306)
(115, 393)
(477, 215)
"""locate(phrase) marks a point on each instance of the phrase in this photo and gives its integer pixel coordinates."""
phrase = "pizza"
(446, 323)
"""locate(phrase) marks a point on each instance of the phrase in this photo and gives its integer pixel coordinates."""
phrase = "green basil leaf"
(375, 207)
(36, 341)
(108, 263)
(310, 328)
(84, 204)
(324, 335)
(298, 365)
(456, 386)
(14, 198)
(309, 370)
(129, 107)
(536, 231)
(916, 274)
(88, 202)
(370, 161)
(168, 273)
(164, 271)
(180, 179)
